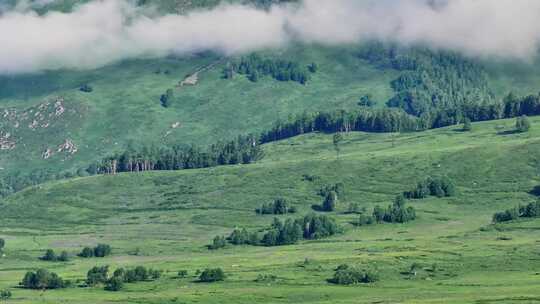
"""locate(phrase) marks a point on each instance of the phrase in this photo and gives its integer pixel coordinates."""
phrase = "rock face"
(191, 80)
(5, 142)
(68, 146)
(45, 128)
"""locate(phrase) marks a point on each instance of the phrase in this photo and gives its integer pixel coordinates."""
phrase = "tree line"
(435, 186)
(278, 206)
(397, 212)
(396, 120)
(242, 150)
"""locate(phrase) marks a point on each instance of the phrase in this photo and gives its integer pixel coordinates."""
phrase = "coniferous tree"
(330, 202)
(467, 125)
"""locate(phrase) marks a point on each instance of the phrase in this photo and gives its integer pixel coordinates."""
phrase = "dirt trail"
(193, 78)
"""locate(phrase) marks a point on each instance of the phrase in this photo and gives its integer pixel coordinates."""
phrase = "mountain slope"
(168, 217)
(124, 106)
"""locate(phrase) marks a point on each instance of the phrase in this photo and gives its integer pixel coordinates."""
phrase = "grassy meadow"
(164, 220)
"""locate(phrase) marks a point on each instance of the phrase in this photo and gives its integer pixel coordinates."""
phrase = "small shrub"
(348, 275)
(100, 251)
(217, 243)
(114, 284)
(86, 88)
(354, 208)
(523, 124)
(5, 295)
(87, 252)
(364, 220)
(212, 275)
(49, 255)
(182, 273)
(63, 257)
(265, 278)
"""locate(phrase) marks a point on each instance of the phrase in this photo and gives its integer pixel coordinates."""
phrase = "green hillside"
(164, 220)
(51, 129)
(124, 106)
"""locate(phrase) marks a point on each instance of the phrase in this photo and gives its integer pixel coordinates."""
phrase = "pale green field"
(171, 216)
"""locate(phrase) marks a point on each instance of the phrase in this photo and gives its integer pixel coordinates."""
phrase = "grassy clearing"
(167, 218)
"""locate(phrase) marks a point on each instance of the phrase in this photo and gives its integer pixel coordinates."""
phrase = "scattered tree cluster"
(331, 195)
(524, 211)
(243, 237)
(50, 255)
(439, 187)
(338, 188)
(255, 66)
(283, 233)
(43, 279)
(278, 206)
(311, 226)
(395, 213)
(100, 275)
(350, 275)
(100, 251)
(243, 150)
(280, 233)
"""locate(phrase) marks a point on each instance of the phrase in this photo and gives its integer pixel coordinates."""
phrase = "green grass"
(124, 105)
(171, 216)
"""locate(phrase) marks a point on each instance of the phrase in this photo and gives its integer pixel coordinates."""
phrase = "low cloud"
(106, 31)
